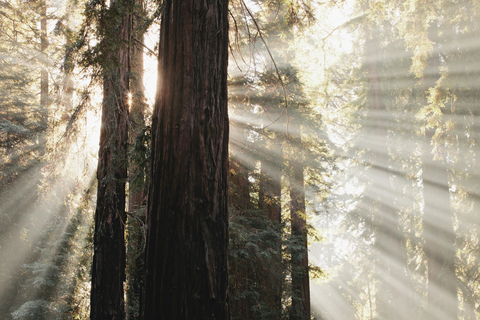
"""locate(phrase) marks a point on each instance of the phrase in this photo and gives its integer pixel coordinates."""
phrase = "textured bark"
(108, 269)
(135, 241)
(239, 197)
(239, 186)
(187, 240)
(392, 299)
(270, 192)
(300, 277)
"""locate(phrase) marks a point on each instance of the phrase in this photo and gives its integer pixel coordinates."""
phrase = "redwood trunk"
(135, 242)
(270, 201)
(108, 269)
(187, 240)
(300, 276)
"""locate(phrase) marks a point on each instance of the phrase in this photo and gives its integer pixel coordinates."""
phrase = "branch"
(149, 50)
(273, 61)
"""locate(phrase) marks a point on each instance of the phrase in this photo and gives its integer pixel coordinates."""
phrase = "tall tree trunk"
(108, 269)
(300, 277)
(437, 221)
(269, 195)
(187, 240)
(392, 294)
(239, 184)
(270, 182)
(137, 115)
(135, 243)
(239, 198)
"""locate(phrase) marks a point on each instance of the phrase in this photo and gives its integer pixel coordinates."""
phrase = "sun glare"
(359, 127)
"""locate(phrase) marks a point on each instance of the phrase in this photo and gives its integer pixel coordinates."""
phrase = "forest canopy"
(242, 159)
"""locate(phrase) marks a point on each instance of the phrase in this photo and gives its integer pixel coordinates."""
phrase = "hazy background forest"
(354, 129)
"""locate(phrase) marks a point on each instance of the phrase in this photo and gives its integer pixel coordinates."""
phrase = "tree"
(108, 268)
(137, 183)
(300, 275)
(187, 240)
(23, 120)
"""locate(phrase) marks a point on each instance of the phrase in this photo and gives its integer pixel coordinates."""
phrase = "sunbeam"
(353, 152)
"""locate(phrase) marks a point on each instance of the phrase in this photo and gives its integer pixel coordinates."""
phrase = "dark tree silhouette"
(108, 269)
(187, 240)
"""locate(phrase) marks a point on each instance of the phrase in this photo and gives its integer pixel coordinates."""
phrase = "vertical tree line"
(237, 160)
(187, 239)
(412, 110)
(108, 268)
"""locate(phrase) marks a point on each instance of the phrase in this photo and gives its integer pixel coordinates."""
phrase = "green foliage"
(53, 288)
(33, 310)
(23, 121)
(139, 157)
(415, 100)
(255, 266)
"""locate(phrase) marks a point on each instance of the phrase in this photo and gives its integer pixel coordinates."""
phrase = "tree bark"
(239, 185)
(135, 268)
(270, 192)
(108, 269)
(300, 276)
(187, 240)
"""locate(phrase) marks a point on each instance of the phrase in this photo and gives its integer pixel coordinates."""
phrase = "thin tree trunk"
(187, 240)
(108, 269)
(270, 192)
(239, 198)
(270, 183)
(239, 183)
(300, 277)
(136, 192)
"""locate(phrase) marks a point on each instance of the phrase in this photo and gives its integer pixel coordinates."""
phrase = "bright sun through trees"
(331, 171)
